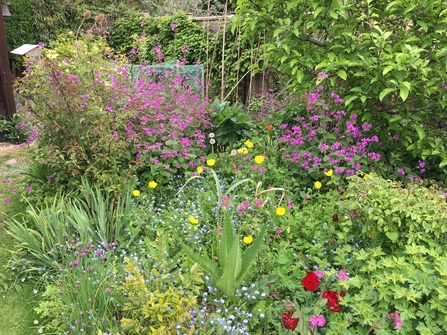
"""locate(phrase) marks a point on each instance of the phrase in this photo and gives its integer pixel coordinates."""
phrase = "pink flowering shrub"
(91, 117)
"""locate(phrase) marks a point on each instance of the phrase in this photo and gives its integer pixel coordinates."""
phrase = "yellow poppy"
(210, 162)
(249, 144)
(248, 239)
(136, 193)
(280, 211)
(366, 177)
(199, 169)
(329, 173)
(259, 159)
(152, 184)
(317, 185)
(193, 220)
(244, 151)
(240, 150)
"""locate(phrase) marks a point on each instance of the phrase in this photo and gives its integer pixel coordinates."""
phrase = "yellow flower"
(249, 144)
(280, 211)
(170, 239)
(244, 151)
(152, 184)
(240, 150)
(317, 185)
(211, 162)
(329, 173)
(199, 169)
(366, 177)
(259, 159)
(248, 239)
(136, 193)
(193, 220)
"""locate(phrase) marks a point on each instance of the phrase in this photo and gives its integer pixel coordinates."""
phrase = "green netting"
(193, 74)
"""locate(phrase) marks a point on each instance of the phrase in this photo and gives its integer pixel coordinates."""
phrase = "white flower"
(40, 331)
(212, 141)
(35, 291)
(233, 152)
(36, 322)
(211, 135)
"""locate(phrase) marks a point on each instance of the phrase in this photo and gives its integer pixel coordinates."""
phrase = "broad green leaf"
(342, 74)
(227, 284)
(443, 163)
(404, 91)
(300, 76)
(420, 131)
(385, 92)
(387, 69)
(250, 254)
(348, 99)
(226, 240)
(206, 264)
(396, 118)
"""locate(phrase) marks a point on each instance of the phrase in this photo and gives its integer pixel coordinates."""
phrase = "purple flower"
(142, 23)
(107, 290)
(5, 201)
(342, 275)
(29, 189)
(322, 75)
(173, 26)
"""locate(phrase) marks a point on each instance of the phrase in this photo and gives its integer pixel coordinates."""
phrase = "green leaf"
(392, 236)
(385, 92)
(396, 118)
(387, 69)
(250, 255)
(348, 99)
(443, 163)
(420, 131)
(206, 264)
(226, 241)
(300, 76)
(342, 74)
(404, 91)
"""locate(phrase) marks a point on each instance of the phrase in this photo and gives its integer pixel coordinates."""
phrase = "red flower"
(269, 127)
(335, 218)
(288, 322)
(310, 282)
(332, 300)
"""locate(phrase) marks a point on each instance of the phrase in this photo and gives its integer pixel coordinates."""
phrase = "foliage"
(79, 110)
(158, 300)
(231, 123)
(79, 291)
(233, 264)
(89, 215)
(395, 216)
(385, 58)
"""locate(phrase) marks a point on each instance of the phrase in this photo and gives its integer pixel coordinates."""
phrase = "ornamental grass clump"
(79, 291)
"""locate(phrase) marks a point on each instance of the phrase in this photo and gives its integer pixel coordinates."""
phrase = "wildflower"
(29, 189)
(233, 152)
(193, 220)
(396, 319)
(36, 322)
(248, 239)
(212, 141)
(335, 217)
(319, 274)
(211, 135)
(5, 201)
(366, 177)
(280, 211)
(332, 300)
(311, 281)
(152, 184)
(239, 151)
(319, 321)
(259, 159)
(249, 144)
(288, 321)
(244, 151)
(40, 331)
(269, 127)
(317, 185)
(329, 173)
(211, 162)
(107, 290)
(342, 275)
(136, 193)
(199, 169)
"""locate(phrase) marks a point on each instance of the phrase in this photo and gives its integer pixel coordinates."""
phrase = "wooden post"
(5, 71)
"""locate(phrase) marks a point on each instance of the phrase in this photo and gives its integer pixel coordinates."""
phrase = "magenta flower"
(342, 275)
(107, 290)
(319, 321)
(6, 201)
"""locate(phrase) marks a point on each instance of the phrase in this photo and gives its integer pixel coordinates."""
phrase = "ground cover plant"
(150, 210)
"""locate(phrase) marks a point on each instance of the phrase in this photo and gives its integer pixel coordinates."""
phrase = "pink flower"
(320, 274)
(342, 275)
(396, 319)
(319, 321)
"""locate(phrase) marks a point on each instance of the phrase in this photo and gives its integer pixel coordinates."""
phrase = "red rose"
(335, 217)
(288, 322)
(310, 282)
(332, 300)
